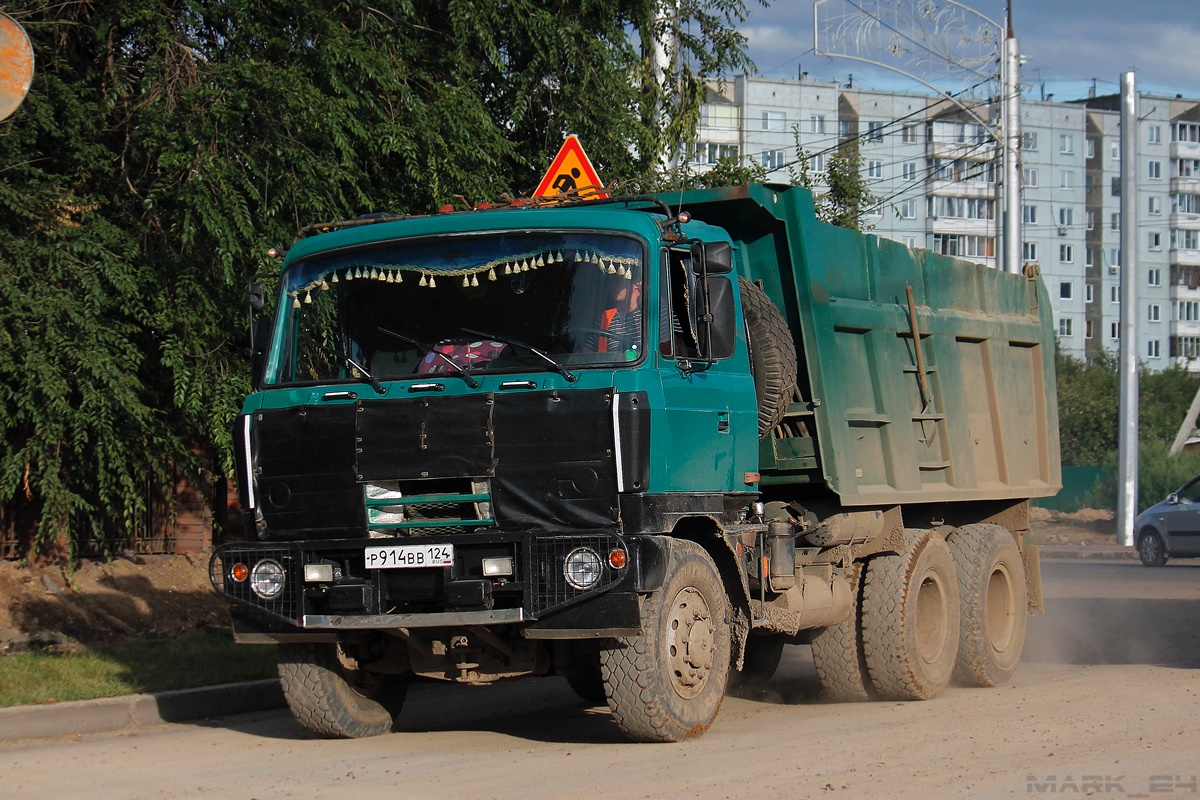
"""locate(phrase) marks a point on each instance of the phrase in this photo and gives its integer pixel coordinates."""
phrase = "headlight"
(582, 567)
(267, 579)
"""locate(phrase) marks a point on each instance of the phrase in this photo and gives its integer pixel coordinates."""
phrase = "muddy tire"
(911, 618)
(1151, 549)
(331, 698)
(772, 355)
(583, 675)
(761, 659)
(667, 684)
(838, 653)
(993, 601)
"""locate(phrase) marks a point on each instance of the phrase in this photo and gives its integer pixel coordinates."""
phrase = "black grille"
(287, 604)
(549, 588)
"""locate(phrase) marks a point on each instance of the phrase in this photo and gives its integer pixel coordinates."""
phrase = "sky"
(1065, 43)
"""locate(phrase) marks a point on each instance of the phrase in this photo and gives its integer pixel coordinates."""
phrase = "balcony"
(1185, 149)
(1185, 185)
(963, 188)
(1190, 258)
(1182, 220)
(972, 151)
(976, 227)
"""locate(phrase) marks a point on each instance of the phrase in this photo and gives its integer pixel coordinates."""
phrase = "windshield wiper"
(460, 371)
(376, 385)
(558, 367)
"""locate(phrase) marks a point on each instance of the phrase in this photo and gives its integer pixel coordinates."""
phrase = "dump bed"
(963, 410)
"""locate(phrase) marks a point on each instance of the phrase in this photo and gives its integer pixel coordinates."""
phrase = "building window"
(1116, 187)
(1091, 148)
(962, 207)
(1152, 349)
(816, 163)
(1154, 134)
(954, 244)
(1066, 253)
(1088, 259)
(1154, 313)
(909, 170)
(844, 128)
(1087, 329)
(772, 160)
(1066, 143)
(1029, 215)
(874, 169)
(1186, 310)
(1187, 167)
(1114, 294)
(1114, 330)
(1185, 132)
(908, 209)
(1088, 294)
(910, 241)
(1185, 240)
(1155, 240)
(1116, 150)
(1154, 170)
(1116, 221)
(1066, 179)
(1155, 205)
(1064, 290)
(721, 116)
(1029, 140)
(1029, 251)
(1154, 276)
(1185, 203)
(874, 131)
(774, 121)
(1114, 257)
(1029, 177)
(1091, 220)
(1064, 326)
(1066, 216)
(909, 134)
(1087, 184)
(711, 152)
(816, 123)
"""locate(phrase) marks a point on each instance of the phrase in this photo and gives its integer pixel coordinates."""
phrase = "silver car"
(1170, 529)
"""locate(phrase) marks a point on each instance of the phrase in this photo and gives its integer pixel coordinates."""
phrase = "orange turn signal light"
(239, 572)
(618, 558)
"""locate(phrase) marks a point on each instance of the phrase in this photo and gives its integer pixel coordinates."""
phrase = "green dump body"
(985, 425)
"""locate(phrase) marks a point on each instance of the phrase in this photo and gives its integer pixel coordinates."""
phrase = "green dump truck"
(641, 443)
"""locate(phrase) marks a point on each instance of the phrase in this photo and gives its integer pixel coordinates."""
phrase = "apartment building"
(935, 171)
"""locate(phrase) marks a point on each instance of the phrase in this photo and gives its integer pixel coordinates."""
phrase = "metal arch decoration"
(925, 40)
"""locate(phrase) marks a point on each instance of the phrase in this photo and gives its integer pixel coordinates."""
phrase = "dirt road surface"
(1106, 703)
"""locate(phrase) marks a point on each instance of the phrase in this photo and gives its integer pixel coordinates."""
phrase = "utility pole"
(1127, 440)
(1010, 140)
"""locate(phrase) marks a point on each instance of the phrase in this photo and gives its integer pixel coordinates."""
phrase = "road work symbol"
(571, 173)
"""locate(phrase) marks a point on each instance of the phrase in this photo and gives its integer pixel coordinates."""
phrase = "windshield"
(405, 309)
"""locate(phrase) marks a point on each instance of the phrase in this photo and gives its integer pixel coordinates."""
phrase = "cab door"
(709, 422)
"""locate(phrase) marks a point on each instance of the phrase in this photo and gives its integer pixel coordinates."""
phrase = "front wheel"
(333, 698)
(1151, 549)
(667, 684)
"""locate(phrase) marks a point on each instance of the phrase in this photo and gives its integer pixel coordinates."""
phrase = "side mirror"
(260, 343)
(716, 257)
(255, 298)
(717, 333)
(1172, 498)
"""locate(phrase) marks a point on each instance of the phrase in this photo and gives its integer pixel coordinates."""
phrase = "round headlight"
(582, 568)
(267, 578)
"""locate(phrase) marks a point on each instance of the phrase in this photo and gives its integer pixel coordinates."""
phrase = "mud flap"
(1033, 578)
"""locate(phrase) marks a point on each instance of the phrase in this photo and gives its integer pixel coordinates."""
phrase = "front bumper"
(359, 598)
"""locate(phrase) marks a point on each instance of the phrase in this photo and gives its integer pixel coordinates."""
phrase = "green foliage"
(847, 198)
(1159, 474)
(165, 145)
(1088, 406)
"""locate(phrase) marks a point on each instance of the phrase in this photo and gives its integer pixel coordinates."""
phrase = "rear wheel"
(667, 684)
(993, 603)
(911, 618)
(332, 697)
(1151, 549)
(838, 653)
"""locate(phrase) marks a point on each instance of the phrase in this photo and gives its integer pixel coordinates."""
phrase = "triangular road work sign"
(571, 173)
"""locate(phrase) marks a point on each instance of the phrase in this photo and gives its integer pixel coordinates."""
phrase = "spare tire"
(772, 355)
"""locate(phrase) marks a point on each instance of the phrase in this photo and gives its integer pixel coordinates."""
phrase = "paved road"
(1106, 701)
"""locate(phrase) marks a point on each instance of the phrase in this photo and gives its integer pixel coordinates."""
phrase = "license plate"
(409, 555)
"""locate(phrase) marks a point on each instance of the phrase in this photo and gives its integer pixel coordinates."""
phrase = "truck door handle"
(339, 396)
(427, 387)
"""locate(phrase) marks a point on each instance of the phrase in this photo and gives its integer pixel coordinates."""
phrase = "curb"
(132, 711)
(1090, 553)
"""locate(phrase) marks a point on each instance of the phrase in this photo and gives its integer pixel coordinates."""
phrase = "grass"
(150, 666)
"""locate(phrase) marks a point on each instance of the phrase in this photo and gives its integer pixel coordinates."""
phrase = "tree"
(848, 196)
(166, 144)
